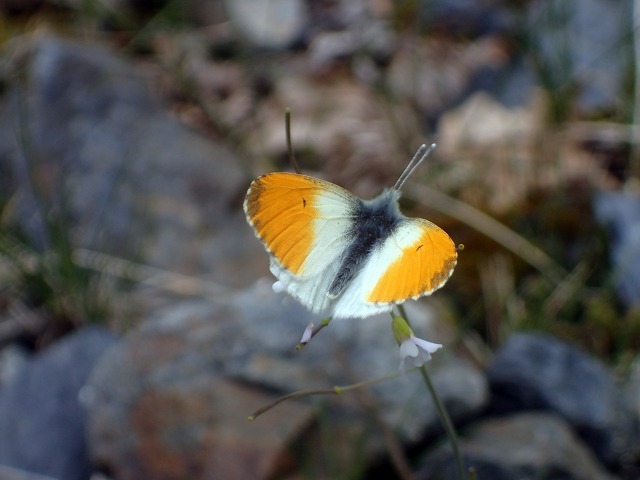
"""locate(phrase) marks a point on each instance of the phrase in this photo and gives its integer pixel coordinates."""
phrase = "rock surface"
(619, 213)
(126, 177)
(274, 25)
(538, 372)
(526, 446)
(42, 424)
(586, 34)
(187, 372)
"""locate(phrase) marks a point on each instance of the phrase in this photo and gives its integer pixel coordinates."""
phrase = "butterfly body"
(373, 222)
(337, 253)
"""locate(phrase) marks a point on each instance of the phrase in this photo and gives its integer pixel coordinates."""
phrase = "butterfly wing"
(415, 260)
(305, 223)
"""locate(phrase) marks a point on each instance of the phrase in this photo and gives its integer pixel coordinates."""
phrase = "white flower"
(416, 351)
(412, 349)
(307, 334)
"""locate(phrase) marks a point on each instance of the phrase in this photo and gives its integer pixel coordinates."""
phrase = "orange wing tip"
(280, 207)
(396, 301)
(402, 282)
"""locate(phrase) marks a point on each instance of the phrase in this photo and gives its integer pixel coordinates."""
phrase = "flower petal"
(426, 346)
(416, 351)
(306, 335)
(422, 358)
(408, 349)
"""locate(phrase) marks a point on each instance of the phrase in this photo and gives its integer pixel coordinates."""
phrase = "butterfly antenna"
(422, 153)
(287, 126)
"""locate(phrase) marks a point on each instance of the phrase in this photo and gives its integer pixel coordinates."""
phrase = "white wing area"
(332, 235)
(331, 229)
(312, 290)
(353, 301)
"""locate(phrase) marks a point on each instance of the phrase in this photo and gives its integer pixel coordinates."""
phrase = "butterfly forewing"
(303, 221)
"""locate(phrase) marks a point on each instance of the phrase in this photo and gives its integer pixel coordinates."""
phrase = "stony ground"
(138, 325)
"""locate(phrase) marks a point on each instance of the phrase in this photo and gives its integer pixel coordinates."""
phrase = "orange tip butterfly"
(339, 254)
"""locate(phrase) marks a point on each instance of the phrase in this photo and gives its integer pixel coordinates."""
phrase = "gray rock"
(120, 174)
(527, 446)
(448, 73)
(160, 408)
(539, 372)
(194, 348)
(620, 214)
(8, 473)
(631, 387)
(274, 25)
(349, 350)
(13, 359)
(42, 424)
(571, 43)
(467, 18)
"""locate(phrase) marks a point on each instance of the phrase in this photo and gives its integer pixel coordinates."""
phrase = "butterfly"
(339, 254)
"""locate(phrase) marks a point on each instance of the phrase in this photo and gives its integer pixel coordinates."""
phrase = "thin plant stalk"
(490, 227)
(337, 390)
(442, 412)
(287, 126)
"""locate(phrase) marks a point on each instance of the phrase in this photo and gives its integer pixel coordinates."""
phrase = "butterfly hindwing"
(417, 259)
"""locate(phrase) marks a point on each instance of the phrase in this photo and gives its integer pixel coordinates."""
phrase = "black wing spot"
(419, 247)
(304, 202)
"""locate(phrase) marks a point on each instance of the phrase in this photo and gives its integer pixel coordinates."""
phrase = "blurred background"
(138, 327)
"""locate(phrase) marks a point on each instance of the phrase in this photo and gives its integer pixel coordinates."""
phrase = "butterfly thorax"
(375, 221)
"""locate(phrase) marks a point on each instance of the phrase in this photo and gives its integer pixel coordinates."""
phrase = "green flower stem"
(446, 421)
(336, 390)
(442, 412)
